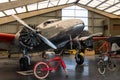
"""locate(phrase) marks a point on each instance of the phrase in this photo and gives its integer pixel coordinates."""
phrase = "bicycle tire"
(101, 67)
(38, 72)
(111, 65)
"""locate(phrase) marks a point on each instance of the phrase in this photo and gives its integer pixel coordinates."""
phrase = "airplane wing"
(99, 38)
(62, 44)
(5, 40)
(8, 38)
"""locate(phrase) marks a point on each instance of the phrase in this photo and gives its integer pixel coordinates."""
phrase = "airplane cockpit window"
(49, 22)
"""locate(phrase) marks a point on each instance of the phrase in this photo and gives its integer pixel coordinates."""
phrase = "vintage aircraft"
(49, 34)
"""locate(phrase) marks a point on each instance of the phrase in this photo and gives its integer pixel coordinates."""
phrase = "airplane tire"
(79, 59)
(24, 63)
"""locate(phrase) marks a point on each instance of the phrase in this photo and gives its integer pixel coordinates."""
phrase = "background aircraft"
(49, 34)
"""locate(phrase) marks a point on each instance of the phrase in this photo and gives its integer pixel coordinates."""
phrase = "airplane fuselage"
(55, 28)
(57, 32)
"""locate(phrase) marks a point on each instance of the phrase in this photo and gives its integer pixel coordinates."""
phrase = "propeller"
(45, 40)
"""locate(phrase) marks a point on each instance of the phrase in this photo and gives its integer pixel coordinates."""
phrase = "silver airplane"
(51, 34)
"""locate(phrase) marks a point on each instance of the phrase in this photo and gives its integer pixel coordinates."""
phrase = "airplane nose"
(79, 27)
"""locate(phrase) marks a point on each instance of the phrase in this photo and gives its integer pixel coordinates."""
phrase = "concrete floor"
(87, 71)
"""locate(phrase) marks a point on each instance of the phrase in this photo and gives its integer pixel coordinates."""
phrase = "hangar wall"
(114, 27)
(97, 23)
(13, 27)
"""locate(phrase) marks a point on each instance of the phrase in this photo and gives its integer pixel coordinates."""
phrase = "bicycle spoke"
(111, 66)
(101, 67)
(41, 70)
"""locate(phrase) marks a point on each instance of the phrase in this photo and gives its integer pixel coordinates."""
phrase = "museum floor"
(9, 70)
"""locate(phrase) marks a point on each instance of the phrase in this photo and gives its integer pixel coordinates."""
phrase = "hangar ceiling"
(29, 8)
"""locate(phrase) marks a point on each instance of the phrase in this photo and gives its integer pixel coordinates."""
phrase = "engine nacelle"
(28, 38)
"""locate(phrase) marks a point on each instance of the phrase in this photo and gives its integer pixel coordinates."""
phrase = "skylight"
(118, 5)
(21, 9)
(110, 6)
(117, 12)
(84, 1)
(112, 9)
(53, 3)
(42, 4)
(2, 14)
(32, 7)
(62, 2)
(112, 1)
(10, 11)
(3, 1)
(13, 0)
(103, 6)
(94, 3)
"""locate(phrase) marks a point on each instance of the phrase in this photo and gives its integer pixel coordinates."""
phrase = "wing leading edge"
(4, 37)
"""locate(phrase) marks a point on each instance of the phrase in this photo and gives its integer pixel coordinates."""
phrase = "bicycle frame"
(59, 61)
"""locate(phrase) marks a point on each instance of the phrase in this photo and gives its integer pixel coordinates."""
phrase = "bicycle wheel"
(101, 67)
(41, 70)
(111, 65)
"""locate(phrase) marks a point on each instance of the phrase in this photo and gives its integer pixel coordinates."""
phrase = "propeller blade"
(22, 22)
(71, 43)
(47, 42)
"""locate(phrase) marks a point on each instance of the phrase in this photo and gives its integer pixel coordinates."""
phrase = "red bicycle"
(42, 69)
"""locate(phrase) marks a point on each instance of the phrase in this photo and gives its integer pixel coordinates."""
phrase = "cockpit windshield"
(50, 21)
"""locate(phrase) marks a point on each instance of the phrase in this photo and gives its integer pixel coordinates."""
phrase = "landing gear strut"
(24, 61)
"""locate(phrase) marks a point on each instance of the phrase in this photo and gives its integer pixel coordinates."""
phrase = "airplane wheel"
(24, 63)
(79, 59)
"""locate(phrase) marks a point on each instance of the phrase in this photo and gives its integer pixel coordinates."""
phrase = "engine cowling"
(28, 38)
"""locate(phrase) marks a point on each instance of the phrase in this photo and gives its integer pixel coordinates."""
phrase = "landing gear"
(24, 63)
(79, 58)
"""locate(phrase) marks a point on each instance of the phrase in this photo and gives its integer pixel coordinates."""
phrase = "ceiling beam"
(8, 19)
(98, 11)
(15, 4)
